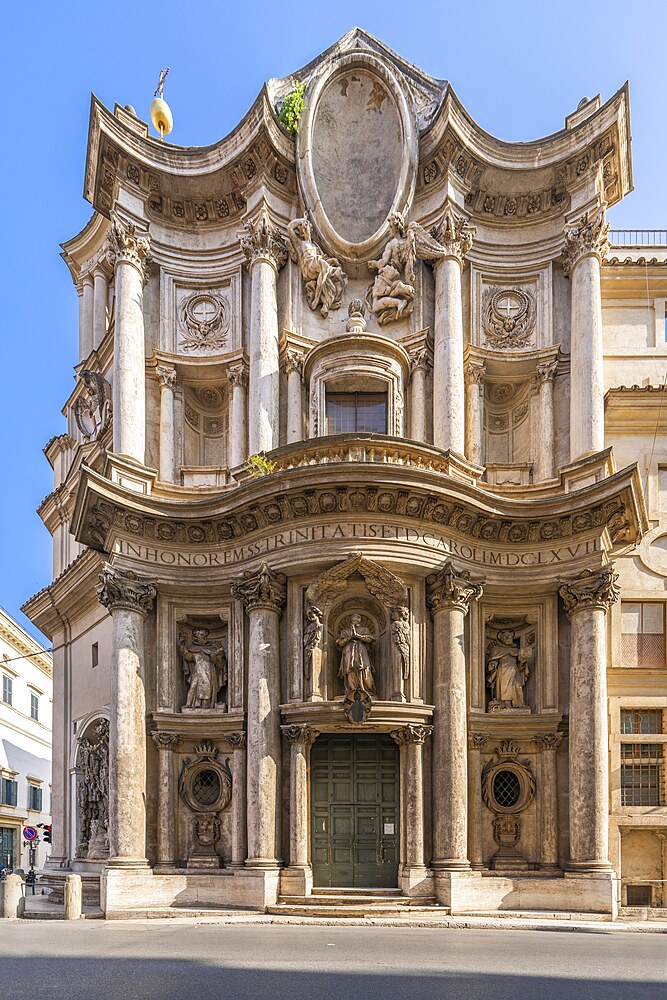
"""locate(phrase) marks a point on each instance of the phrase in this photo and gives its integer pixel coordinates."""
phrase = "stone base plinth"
(296, 881)
(474, 892)
(55, 881)
(130, 893)
(416, 881)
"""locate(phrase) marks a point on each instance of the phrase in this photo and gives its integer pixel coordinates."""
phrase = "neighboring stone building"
(26, 674)
(398, 659)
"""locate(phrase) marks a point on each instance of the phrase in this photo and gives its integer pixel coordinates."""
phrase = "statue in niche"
(400, 633)
(323, 276)
(392, 292)
(205, 669)
(356, 670)
(507, 671)
(92, 793)
(312, 637)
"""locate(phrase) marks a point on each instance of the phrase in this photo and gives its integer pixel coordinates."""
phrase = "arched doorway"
(355, 797)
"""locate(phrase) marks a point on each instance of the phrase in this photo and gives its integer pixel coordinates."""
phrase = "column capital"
(590, 590)
(263, 589)
(477, 741)
(450, 589)
(420, 360)
(455, 237)
(411, 734)
(292, 361)
(549, 741)
(236, 740)
(166, 741)
(166, 376)
(238, 375)
(585, 239)
(474, 373)
(546, 372)
(126, 590)
(126, 245)
(260, 240)
(300, 734)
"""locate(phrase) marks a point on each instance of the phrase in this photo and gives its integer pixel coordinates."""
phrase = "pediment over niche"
(381, 582)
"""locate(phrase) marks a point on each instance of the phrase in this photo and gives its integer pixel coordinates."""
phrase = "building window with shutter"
(34, 707)
(9, 789)
(34, 798)
(643, 634)
(7, 689)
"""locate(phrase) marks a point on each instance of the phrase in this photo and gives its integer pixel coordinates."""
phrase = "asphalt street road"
(167, 961)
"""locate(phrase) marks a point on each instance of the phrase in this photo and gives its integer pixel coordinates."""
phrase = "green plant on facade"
(259, 465)
(292, 107)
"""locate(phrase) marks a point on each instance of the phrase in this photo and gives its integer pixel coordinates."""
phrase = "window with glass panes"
(34, 707)
(643, 634)
(642, 774)
(35, 798)
(8, 790)
(350, 412)
(7, 686)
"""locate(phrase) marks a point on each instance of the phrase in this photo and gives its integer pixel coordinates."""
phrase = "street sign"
(29, 833)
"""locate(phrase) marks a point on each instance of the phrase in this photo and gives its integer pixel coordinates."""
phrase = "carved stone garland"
(508, 317)
(204, 318)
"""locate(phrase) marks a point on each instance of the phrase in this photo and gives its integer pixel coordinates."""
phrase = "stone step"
(343, 899)
(356, 910)
(536, 915)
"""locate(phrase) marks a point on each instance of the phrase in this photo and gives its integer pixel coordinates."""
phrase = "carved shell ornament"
(204, 319)
(508, 317)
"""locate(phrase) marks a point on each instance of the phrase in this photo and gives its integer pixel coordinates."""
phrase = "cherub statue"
(323, 276)
(205, 668)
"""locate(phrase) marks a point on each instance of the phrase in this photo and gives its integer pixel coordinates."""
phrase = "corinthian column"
(237, 742)
(167, 379)
(86, 311)
(474, 379)
(266, 254)
(419, 364)
(129, 600)
(448, 380)
(585, 247)
(166, 744)
(548, 747)
(476, 743)
(586, 600)
(264, 595)
(100, 301)
(411, 739)
(238, 382)
(301, 738)
(543, 467)
(129, 252)
(293, 366)
(449, 595)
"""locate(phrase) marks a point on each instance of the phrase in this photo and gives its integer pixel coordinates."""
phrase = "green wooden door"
(354, 810)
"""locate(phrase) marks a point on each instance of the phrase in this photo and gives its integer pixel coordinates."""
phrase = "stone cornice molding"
(261, 241)
(261, 590)
(587, 238)
(591, 590)
(166, 376)
(411, 734)
(127, 246)
(125, 590)
(455, 236)
(303, 736)
(166, 741)
(451, 590)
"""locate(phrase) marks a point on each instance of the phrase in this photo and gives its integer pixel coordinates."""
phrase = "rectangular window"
(9, 789)
(356, 412)
(34, 707)
(7, 686)
(94, 655)
(642, 634)
(34, 798)
(639, 895)
(641, 774)
(641, 721)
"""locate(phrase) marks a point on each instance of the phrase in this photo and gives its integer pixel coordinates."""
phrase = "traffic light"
(46, 832)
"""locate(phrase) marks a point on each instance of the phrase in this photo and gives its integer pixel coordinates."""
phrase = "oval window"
(206, 787)
(506, 789)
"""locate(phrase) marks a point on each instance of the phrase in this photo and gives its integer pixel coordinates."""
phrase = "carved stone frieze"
(591, 589)
(204, 318)
(262, 241)
(127, 246)
(323, 277)
(381, 582)
(450, 588)
(93, 411)
(262, 589)
(588, 237)
(508, 317)
(125, 590)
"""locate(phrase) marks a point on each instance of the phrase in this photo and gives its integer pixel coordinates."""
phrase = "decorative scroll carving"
(125, 590)
(205, 669)
(419, 360)
(92, 793)
(508, 317)
(206, 830)
(204, 317)
(546, 372)
(263, 589)
(587, 238)
(93, 411)
(312, 638)
(411, 734)
(126, 246)
(401, 636)
(449, 588)
(303, 735)
(262, 241)
(323, 277)
(383, 584)
(591, 589)
(205, 782)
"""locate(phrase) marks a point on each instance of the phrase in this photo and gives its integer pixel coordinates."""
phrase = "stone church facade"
(359, 517)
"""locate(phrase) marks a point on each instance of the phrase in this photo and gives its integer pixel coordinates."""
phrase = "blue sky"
(519, 68)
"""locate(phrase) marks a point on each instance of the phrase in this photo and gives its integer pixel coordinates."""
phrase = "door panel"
(354, 811)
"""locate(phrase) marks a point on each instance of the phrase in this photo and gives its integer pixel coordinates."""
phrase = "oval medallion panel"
(357, 154)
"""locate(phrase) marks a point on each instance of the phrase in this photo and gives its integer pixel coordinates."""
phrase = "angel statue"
(205, 669)
(356, 671)
(323, 276)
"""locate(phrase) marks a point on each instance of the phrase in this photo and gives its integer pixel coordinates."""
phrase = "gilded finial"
(161, 115)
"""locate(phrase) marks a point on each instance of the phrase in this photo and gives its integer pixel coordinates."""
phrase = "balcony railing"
(638, 237)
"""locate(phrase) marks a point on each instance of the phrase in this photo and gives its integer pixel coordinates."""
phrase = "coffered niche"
(205, 433)
(511, 312)
(201, 317)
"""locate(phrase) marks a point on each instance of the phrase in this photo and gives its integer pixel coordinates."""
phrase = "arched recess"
(90, 789)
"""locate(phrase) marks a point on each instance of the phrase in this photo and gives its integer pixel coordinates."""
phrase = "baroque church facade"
(359, 516)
